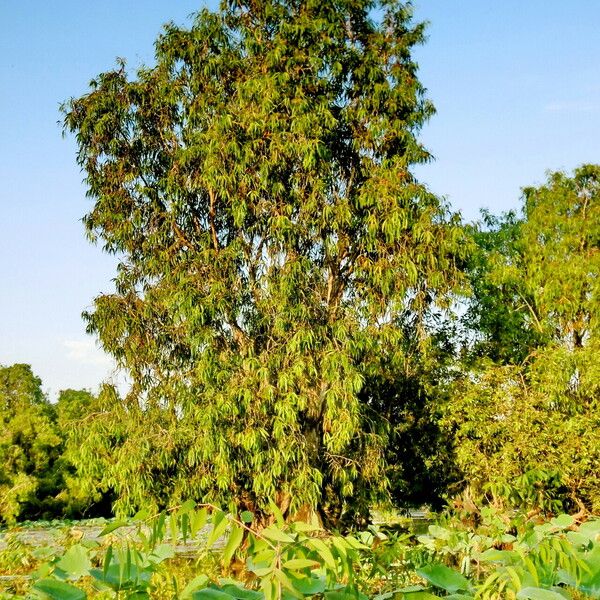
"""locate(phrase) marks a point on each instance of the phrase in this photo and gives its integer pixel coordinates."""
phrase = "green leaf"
(235, 539)
(309, 586)
(276, 535)
(162, 552)
(140, 515)
(75, 562)
(262, 571)
(537, 593)
(277, 514)
(246, 517)
(107, 560)
(123, 576)
(300, 563)
(439, 532)
(562, 521)
(501, 556)
(219, 522)
(198, 520)
(186, 507)
(198, 582)
(302, 527)
(59, 590)
(323, 551)
(112, 527)
(339, 595)
(210, 593)
(443, 577)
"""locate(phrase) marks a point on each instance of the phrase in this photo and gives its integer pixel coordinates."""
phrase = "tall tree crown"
(256, 184)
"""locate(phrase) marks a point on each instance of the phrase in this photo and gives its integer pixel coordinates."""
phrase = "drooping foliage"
(79, 496)
(276, 253)
(527, 418)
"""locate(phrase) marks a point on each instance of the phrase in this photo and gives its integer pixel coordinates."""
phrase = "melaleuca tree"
(534, 406)
(256, 185)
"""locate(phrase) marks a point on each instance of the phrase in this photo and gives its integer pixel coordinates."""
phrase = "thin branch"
(211, 219)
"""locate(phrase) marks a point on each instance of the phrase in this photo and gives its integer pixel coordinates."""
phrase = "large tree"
(274, 247)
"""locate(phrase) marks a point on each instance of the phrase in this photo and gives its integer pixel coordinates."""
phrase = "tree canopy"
(532, 405)
(276, 252)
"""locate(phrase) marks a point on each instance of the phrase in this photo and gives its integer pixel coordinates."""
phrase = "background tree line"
(303, 322)
(38, 478)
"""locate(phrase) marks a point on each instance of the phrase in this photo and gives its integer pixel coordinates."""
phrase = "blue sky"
(516, 85)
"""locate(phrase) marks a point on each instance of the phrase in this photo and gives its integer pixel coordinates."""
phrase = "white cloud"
(86, 352)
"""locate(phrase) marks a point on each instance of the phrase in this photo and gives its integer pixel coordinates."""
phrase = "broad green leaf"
(590, 529)
(309, 586)
(210, 593)
(277, 514)
(140, 515)
(439, 532)
(578, 539)
(302, 527)
(186, 507)
(59, 590)
(590, 582)
(262, 571)
(195, 584)
(284, 580)
(234, 540)
(219, 522)
(443, 577)
(121, 576)
(162, 552)
(562, 521)
(75, 562)
(198, 520)
(339, 595)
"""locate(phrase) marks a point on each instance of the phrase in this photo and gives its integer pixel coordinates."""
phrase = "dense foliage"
(278, 260)
(526, 413)
(204, 553)
(37, 478)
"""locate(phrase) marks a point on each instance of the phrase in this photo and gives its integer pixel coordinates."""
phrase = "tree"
(274, 249)
(80, 494)
(535, 406)
(29, 446)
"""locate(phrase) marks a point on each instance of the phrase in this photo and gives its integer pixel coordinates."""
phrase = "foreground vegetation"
(205, 554)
